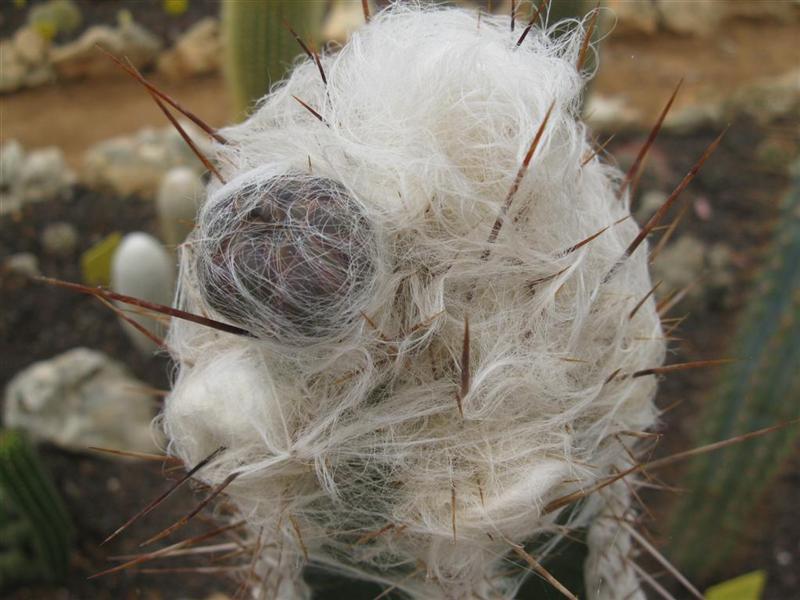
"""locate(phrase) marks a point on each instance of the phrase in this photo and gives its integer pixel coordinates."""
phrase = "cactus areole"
(436, 270)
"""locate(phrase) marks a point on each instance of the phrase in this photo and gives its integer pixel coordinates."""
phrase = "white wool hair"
(355, 249)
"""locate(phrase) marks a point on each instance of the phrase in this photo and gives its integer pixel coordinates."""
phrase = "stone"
(53, 17)
(770, 99)
(142, 267)
(59, 239)
(135, 165)
(689, 262)
(23, 263)
(38, 76)
(179, 196)
(632, 18)
(12, 68)
(720, 260)
(679, 264)
(81, 58)
(30, 46)
(81, 398)
(692, 117)
(698, 18)
(197, 52)
(12, 158)
(24, 60)
(45, 175)
(344, 19)
(611, 114)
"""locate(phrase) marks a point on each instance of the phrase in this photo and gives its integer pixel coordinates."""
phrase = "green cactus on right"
(35, 529)
(258, 46)
(760, 390)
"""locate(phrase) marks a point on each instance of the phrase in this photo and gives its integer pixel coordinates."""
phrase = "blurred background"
(96, 187)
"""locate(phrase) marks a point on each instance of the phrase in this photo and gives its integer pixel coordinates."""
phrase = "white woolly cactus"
(441, 350)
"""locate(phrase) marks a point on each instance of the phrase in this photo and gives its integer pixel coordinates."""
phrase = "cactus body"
(424, 376)
(756, 392)
(258, 47)
(178, 198)
(142, 267)
(41, 520)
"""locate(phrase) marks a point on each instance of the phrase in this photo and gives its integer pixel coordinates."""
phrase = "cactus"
(142, 267)
(760, 390)
(178, 198)
(258, 47)
(40, 525)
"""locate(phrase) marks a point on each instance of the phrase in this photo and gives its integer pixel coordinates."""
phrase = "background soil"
(38, 323)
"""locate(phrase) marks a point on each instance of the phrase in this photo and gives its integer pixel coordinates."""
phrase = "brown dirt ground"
(57, 114)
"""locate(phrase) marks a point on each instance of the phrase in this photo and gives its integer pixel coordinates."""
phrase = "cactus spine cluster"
(36, 536)
(760, 390)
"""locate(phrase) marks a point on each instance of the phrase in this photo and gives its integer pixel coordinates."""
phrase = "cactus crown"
(436, 334)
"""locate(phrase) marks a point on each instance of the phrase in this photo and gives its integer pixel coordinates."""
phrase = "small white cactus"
(143, 268)
(179, 196)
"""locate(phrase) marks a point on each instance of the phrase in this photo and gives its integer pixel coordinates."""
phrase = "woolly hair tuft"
(430, 357)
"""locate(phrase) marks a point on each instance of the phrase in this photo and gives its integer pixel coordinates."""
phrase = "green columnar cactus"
(258, 46)
(760, 390)
(568, 9)
(37, 535)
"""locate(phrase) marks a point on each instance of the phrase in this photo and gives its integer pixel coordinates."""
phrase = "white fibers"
(355, 249)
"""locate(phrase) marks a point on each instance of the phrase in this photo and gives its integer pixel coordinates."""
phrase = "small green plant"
(35, 528)
(175, 8)
(760, 390)
(52, 18)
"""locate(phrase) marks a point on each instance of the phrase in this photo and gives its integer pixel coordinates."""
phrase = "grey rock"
(37, 76)
(24, 60)
(611, 114)
(45, 175)
(81, 398)
(59, 239)
(695, 116)
(80, 59)
(679, 264)
(12, 158)
(136, 164)
(30, 46)
(689, 263)
(632, 18)
(766, 101)
(197, 52)
(12, 68)
(720, 261)
(697, 18)
(23, 263)
(32, 177)
(769, 99)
